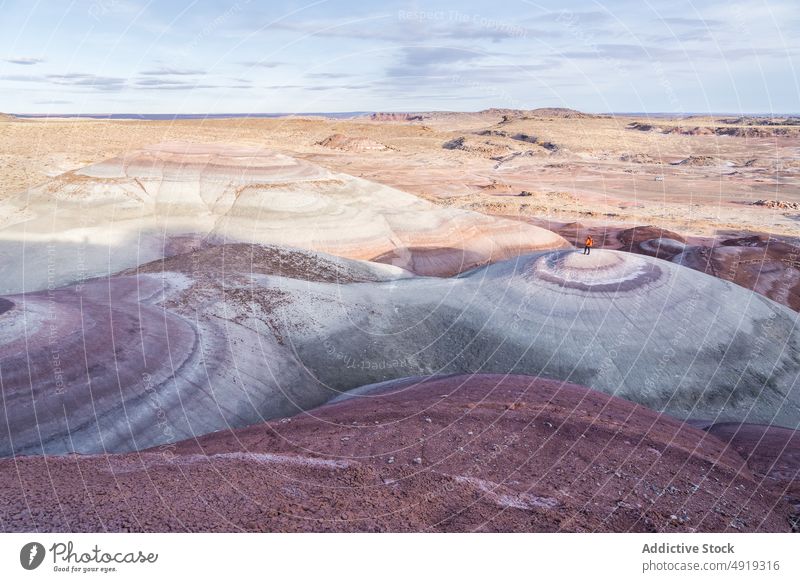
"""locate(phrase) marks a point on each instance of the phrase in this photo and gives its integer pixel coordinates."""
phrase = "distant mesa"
(744, 131)
(338, 141)
(505, 115)
(764, 121)
(509, 115)
(559, 112)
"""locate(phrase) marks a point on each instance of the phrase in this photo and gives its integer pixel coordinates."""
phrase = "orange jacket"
(589, 242)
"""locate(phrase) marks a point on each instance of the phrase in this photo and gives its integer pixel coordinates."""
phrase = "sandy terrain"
(577, 167)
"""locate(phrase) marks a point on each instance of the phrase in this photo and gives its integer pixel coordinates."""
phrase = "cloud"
(24, 60)
(647, 53)
(733, 54)
(101, 83)
(283, 87)
(427, 56)
(329, 75)
(692, 22)
(162, 83)
(693, 34)
(503, 73)
(573, 16)
(625, 52)
(143, 83)
(432, 66)
(23, 78)
(431, 61)
(337, 87)
(416, 27)
(181, 85)
(262, 64)
(164, 71)
(684, 29)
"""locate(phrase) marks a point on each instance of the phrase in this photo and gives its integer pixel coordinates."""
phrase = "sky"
(246, 56)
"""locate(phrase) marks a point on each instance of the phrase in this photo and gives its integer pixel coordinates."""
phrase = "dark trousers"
(586, 250)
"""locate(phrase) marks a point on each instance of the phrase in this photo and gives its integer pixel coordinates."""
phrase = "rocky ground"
(459, 453)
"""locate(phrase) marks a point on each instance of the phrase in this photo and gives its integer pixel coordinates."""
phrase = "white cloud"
(23, 60)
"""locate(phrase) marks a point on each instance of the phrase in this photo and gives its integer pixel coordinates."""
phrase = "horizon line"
(231, 114)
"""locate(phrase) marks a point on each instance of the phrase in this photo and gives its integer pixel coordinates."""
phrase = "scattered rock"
(485, 148)
(639, 158)
(698, 161)
(779, 204)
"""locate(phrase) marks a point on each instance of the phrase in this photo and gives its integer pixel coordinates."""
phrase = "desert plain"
(387, 323)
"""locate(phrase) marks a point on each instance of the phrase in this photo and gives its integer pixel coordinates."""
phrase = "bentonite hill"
(459, 453)
(221, 336)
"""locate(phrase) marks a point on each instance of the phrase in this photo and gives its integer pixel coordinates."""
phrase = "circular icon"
(31, 555)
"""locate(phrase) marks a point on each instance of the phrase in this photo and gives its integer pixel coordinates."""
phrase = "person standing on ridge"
(588, 246)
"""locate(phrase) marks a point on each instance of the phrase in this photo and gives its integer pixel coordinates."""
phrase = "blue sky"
(342, 55)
